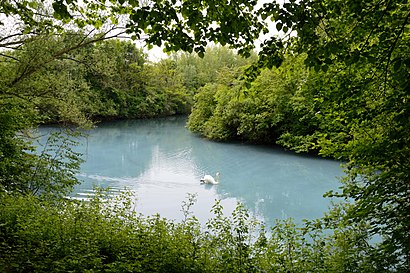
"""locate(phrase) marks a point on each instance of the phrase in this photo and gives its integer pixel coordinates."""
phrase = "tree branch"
(375, 27)
(28, 71)
(393, 46)
(10, 57)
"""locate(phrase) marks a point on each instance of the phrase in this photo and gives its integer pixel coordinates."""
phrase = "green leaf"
(60, 10)
(397, 65)
(33, 4)
(279, 26)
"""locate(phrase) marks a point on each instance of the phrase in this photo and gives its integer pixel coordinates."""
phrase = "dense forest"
(333, 81)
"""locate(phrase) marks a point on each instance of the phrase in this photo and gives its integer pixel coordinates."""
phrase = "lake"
(161, 162)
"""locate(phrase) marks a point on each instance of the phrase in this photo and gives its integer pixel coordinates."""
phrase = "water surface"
(161, 161)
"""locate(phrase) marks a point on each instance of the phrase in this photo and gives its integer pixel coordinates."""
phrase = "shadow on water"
(162, 161)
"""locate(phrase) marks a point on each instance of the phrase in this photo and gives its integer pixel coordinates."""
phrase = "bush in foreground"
(105, 234)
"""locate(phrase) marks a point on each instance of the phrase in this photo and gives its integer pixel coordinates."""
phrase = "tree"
(165, 91)
(277, 103)
(187, 25)
(113, 71)
(31, 39)
(361, 49)
(367, 43)
(22, 170)
(218, 61)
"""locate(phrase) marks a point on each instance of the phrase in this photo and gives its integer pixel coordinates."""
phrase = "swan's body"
(208, 179)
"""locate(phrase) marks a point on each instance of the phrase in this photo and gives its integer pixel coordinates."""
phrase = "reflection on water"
(161, 161)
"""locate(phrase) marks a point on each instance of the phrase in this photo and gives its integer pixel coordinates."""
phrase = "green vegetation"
(106, 235)
(335, 84)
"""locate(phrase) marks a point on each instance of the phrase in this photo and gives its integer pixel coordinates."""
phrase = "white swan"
(208, 179)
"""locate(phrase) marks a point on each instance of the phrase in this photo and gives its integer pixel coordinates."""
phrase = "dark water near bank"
(161, 161)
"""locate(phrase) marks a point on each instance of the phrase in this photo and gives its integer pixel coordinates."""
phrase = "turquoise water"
(161, 162)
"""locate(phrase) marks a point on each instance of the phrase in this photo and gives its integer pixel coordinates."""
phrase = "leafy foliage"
(278, 107)
(357, 105)
(106, 234)
(218, 65)
(48, 172)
